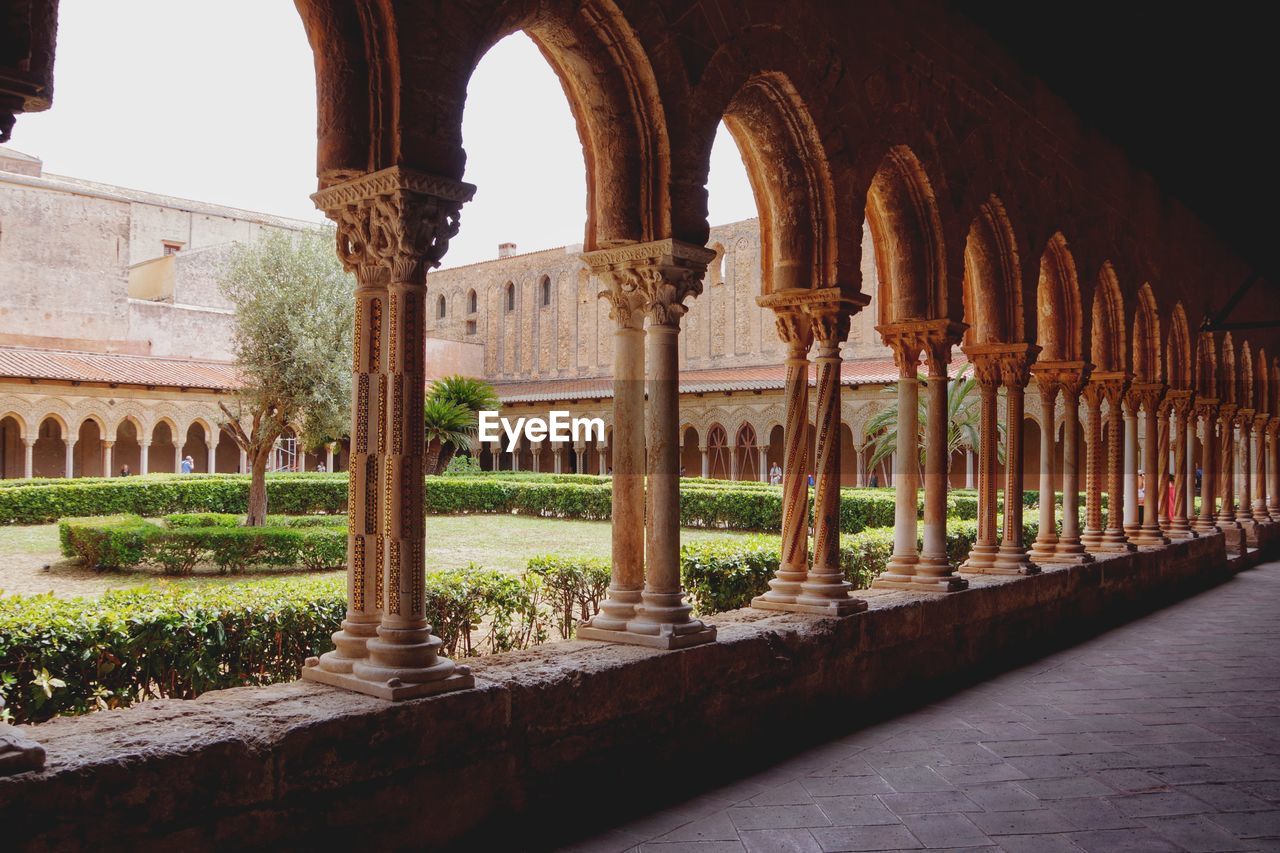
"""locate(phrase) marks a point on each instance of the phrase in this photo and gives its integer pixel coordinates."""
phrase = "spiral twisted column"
(1093, 396)
(1015, 373)
(1181, 403)
(1114, 385)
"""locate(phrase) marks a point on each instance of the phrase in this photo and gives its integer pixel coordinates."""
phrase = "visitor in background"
(775, 474)
(874, 482)
(124, 471)
(188, 465)
(811, 480)
(320, 468)
(1142, 494)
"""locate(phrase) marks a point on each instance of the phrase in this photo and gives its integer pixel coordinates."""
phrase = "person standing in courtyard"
(188, 465)
(775, 474)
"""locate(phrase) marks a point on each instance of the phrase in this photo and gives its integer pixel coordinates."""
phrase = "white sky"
(216, 102)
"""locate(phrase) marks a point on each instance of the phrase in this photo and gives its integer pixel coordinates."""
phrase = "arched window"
(511, 297)
(442, 307)
(471, 302)
(546, 290)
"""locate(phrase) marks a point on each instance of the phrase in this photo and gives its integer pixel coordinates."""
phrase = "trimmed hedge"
(129, 541)
(292, 494)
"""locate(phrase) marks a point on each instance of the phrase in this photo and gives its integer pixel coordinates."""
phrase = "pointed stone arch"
(906, 232)
(1146, 338)
(1106, 345)
(1178, 363)
(1059, 329)
(992, 286)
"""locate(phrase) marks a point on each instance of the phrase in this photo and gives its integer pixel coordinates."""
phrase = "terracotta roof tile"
(763, 378)
(25, 363)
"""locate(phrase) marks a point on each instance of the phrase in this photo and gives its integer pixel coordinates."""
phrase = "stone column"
(1207, 411)
(603, 459)
(28, 457)
(392, 227)
(825, 591)
(177, 455)
(926, 570)
(1015, 373)
(654, 279)
(1163, 471)
(535, 448)
(1260, 480)
(69, 457)
(244, 462)
(1091, 538)
(144, 455)
(106, 458)
(861, 453)
(987, 372)
(762, 462)
(1146, 397)
(300, 457)
(580, 451)
(705, 452)
(1226, 475)
(557, 458)
(1114, 538)
(1273, 453)
(211, 458)
(796, 332)
(1044, 549)
(1070, 549)
(1130, 515)
(1180, 402)
(328, 458)
(1244, 510)
(733, 462)
(968, 468)
(934, 571)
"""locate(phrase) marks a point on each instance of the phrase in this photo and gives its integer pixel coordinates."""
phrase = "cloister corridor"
(1157, 735)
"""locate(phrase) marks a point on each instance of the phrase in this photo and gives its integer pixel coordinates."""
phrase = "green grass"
(504, 542)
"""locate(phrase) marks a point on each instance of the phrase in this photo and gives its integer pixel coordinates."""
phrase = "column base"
(1115, 541)
(1091, 539)
(784, 586)
(981, 558)
(1013, 560)
(899, 572)
(1043, 551)
(836, 607)
(1150, 537)
(947, 583)
(393, 689)
(618, 608)
(667, 638)
(1204, 526)
(1179, 530)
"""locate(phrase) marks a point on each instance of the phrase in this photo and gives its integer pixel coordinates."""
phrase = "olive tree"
(292, 343)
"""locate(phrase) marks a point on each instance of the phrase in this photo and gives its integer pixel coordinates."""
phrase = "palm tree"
(474, 395)
(964, 420)
(446, 423)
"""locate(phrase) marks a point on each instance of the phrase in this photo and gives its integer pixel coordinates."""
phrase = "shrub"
(459, 602)
(111, 542)
(41, 502)
(574, 586)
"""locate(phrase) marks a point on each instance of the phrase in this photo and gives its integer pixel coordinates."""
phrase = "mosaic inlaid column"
(934, 572)
(1206, 410)
(1092, 395)
(1147, 397)
(1114, 538)
(654, 279)
(825, 591)
(1044, 549)
(987, 373)
(795, 331)
(1015, 373)
(1180, 402)
(393, 226)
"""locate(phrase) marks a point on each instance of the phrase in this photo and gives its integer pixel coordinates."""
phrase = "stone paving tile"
(1162, 734)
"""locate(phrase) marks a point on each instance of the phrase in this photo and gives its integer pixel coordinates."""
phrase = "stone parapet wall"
(301, 765)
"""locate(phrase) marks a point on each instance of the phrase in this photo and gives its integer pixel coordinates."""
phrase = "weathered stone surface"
(253, 760)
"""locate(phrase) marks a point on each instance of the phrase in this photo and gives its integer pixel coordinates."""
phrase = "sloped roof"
(69, 366)
(770, 377)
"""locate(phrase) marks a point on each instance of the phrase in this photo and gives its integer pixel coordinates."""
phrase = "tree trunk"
(258, 489)
(433, 456)
(446, 456)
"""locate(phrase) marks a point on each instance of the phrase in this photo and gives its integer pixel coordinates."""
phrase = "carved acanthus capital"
(1146, 395)
(1227, 414)
(1181, 403)
(1112, 384)
(1244, 418)
(1206, 408)
(794, 330)
(830, 310)
(1068, 377)
(663, 274)
(395, 219)
(1261, 423)
(934, 338)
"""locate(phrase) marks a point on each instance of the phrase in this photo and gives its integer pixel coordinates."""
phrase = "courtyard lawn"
(504, 542)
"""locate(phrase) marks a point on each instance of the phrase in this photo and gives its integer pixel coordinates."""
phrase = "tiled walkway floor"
(1163, 734)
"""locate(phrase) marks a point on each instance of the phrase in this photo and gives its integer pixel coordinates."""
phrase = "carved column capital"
(649, 278)
(1244, 418)
(1206, 408)
(1069, 377)
(1180, 402)
(1112, 384)
(1145, 394)
(397, 219)
(934, 338)
(1261, 422)
(1227, 414)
